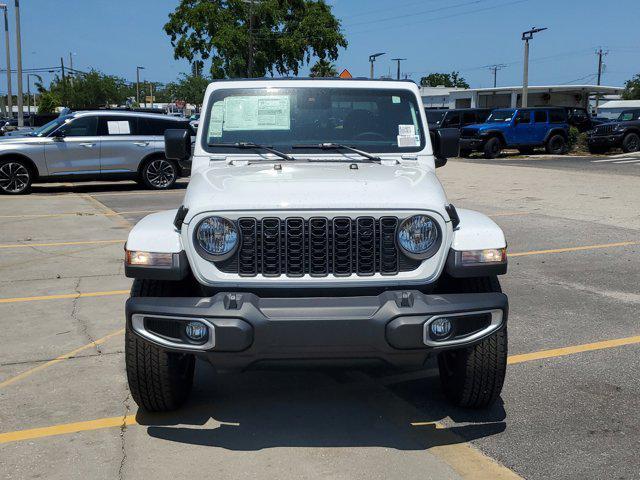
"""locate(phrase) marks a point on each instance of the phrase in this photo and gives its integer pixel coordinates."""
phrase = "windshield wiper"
(339, 146)
(251, 145)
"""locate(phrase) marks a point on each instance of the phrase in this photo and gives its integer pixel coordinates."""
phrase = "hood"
(18, 140)
(316, 186)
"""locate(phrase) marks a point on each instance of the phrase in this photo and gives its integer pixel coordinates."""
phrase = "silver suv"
(92, 145)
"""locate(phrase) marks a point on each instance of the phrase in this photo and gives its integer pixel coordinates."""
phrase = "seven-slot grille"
(317, 246)
(604, 129)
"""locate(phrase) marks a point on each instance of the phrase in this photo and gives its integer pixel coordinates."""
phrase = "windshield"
(374, 120)
(434, 117)
(47, 128)
(629, 115)
(500, 116)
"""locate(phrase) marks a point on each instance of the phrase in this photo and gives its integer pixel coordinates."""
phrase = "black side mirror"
(177, 144)
(446, 144)
(58, 135)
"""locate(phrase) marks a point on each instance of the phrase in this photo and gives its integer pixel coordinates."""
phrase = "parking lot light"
(526, 36)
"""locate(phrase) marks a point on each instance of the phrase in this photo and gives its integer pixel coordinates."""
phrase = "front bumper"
(391, 327)
(612, 140)
(468, 143)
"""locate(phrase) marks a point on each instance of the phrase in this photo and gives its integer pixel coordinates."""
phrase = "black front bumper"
(613, 140)
(471, 143)
(388, 327)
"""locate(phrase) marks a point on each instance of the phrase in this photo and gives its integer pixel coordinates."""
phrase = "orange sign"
(345, 74)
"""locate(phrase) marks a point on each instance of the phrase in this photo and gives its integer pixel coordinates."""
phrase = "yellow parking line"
(78, 214)
(67, 428)
(59, 244)
(508, 214)
(574, 249)
(64, 295)
(64, 356)
(561, 352)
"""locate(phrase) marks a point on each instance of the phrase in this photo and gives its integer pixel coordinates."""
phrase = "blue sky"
(434, 35)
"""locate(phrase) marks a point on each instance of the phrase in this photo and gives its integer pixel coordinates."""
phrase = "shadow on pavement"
(316, 408)
(90, 188)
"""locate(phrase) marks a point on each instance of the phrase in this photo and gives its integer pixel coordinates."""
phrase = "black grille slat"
(319, 246)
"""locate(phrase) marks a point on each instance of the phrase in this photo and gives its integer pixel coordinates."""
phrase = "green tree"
(89, 91)
(323, 68)
(250, 38)
(48, 102)
(189, 88)
(452, 79)
(632, 89)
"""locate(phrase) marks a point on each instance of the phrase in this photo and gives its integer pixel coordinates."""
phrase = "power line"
(494, 69)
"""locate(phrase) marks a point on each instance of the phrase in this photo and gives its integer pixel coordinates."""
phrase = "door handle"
(141, 144)
(87, 145)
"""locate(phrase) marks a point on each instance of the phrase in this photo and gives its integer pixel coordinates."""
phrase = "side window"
(452, 120)
(540, 116)
(117, 125)
(556, 116)
(80, 127)
(468, 118)
(156, 126)
(524, 116)
(482, 116)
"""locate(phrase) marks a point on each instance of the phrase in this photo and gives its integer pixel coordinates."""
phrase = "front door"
(122, 144)
(76, 149)
(522, 133)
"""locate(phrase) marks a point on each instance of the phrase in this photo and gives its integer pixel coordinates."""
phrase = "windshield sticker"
(395, 99)
(268, 112)
(406, 130)
(121, 127)
(408, 140)
(217, 119)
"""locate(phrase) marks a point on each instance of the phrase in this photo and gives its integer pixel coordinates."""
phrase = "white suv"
(315, 229)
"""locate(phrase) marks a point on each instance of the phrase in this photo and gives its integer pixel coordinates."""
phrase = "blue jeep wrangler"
(523, 128)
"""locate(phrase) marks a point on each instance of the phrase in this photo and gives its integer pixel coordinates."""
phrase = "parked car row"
(623, 133)
(93, 145)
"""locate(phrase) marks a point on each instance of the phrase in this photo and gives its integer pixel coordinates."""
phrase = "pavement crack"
(84, 328)
(123, 431)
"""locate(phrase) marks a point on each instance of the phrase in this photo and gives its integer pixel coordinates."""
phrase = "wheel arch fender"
(19, 156)
(496, 133)
(477, 231)
(148, 158)
(155, 233)
(556, 131)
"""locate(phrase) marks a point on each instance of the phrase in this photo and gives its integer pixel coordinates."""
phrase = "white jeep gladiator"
(314, 230)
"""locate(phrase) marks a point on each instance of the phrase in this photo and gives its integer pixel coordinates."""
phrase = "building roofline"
(590, 88)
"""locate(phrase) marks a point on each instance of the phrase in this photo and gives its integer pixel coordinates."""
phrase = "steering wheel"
(369, 136)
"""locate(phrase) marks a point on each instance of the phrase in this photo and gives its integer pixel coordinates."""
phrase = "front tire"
(556, 145)
(15, 177)
(631, 143)
(473, 377)
(159, 173)
(159, 380)
(492, 148)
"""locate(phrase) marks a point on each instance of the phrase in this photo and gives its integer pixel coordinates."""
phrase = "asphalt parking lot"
(569, 408)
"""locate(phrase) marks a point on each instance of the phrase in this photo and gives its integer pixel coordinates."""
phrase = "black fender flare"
(487, 134)
(556, 131)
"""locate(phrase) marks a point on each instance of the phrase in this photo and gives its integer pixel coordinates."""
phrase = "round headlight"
(216, 238)
(419, 237)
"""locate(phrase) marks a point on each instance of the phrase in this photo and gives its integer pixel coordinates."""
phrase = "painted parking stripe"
(574, 249)
(64, 296)
(78, 214)
(635, 160)
(612, 160)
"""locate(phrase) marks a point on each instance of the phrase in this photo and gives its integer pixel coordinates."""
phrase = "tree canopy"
(323, 68)
(632, 88)
(189, 88)
(452, 79)
(252, 38)
(90, 90)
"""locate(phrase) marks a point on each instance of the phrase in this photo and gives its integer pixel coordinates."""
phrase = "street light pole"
(138, 84)
(19, 62)
(398, 60)
(372, 58)
(526, 36)
(3, 6)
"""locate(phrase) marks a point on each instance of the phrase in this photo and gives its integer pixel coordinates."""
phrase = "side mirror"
(177, 144)
(516, 121)
(446, 144)
(58, 135)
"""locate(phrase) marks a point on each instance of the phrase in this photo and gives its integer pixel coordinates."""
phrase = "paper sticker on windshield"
(408, 140)
(217, 119)
(120, 127)
(406, 130)
(268, 112)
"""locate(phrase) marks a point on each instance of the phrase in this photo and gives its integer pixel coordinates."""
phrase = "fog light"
(196, 331)
(440, 328)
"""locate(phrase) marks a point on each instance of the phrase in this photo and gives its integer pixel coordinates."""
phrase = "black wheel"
(15, 177)
(159, 173)
(465, 153)
(556, 145)
(598, 150)
(526, 150)
(492, 148)
(631, 143)
(472, 377)
(159, 380)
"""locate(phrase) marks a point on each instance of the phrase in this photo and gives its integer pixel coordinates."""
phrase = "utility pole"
(64, 81)
(494, 69)
(151, 92)
(71, 67)
(6, 40)
(526, 36)
(138, 84)
(19, 53)
(600, 54)
(250, 46)
(372, 58)
(398, 60)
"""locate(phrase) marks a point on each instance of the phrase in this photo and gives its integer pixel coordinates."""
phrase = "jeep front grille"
(318, 246)
(604, 129)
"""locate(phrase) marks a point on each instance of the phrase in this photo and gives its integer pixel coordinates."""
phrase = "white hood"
(316, 186)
